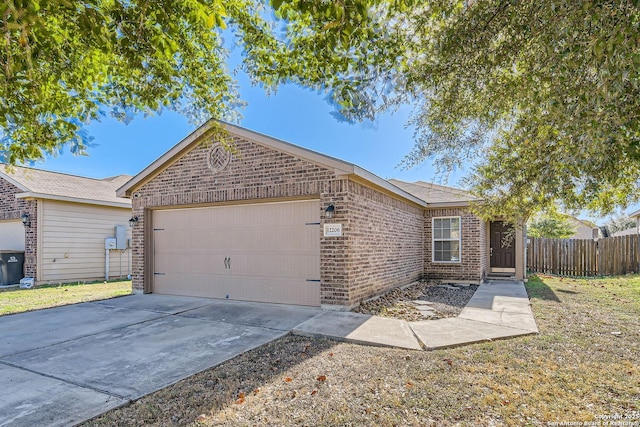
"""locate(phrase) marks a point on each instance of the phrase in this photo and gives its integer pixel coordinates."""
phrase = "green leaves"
(542, 98)
(551, 226)
(65, 63)
(553, 85)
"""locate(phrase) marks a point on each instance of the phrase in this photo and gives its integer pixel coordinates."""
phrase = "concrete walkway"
(498, 309)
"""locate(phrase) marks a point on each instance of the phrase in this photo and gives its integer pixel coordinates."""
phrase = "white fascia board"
(460, 204)
(30, 195)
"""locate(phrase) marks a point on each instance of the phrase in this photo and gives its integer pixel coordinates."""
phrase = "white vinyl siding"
(11, 236)
(72, 247)
(446, 236)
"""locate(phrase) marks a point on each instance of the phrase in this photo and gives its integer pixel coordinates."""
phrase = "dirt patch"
(423, 300)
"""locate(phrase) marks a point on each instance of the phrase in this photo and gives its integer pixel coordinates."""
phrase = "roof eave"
(13, 181)
(456, 204)
(634, 214)
(383, 183)
(32, 195)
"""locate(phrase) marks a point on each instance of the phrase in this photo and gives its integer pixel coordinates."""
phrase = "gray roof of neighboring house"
(578, 221)
(435, 194)
(59, 186)
(627, 232)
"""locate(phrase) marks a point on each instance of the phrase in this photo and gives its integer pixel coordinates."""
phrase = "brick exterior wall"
(31, 240)
(473, 263)
(383, 237)
(12, 208)
(386, 247)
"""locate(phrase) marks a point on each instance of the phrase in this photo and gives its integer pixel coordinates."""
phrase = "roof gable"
(340, 167)
(59, 186)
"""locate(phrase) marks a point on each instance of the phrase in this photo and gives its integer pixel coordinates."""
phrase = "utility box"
(11, 267)
(121, 237)
(110, 243)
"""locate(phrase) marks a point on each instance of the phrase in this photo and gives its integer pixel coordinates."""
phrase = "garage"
(267, 252)
(11, 235)
(266, 220)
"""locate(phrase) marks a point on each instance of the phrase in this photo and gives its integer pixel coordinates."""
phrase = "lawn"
(16, 300)
(582, 367)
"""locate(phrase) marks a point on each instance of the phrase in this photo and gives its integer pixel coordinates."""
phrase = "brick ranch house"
(61, 221)
(274, 222)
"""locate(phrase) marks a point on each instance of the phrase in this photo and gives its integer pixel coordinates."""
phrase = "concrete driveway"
(64, 365)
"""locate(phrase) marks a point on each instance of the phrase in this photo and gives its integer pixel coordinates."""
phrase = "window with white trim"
(446, 238)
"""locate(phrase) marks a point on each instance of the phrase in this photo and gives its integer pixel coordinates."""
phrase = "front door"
(502, 248)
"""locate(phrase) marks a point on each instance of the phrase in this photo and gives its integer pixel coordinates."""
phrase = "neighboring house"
(275, 222)
(635, 230)
(627, 232)
(584, 229)
(67, 219)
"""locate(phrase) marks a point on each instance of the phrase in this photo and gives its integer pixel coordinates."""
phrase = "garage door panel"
(279, 265)
(198, 263)
(287, 291)
(272, 249)
(192, 284)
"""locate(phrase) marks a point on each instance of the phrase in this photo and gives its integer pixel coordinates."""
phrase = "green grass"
(16, 300)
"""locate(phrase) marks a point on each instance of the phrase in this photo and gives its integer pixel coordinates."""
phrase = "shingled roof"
(59, 186)
(434, 194)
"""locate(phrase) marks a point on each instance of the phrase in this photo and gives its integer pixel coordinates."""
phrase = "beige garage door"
(11, 236)
(266, 252)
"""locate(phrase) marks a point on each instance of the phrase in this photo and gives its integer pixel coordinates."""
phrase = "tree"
(551, 226)
(543, 97)
(65, 63)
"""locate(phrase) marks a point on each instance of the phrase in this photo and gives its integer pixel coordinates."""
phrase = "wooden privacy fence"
(584, 257)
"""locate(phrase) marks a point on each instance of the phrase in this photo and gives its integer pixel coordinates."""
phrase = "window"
(446, 239)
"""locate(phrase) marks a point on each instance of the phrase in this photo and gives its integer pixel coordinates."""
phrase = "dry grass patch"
(576, 369)
(16, 300)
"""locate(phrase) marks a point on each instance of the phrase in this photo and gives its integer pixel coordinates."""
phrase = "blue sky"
(294, 114)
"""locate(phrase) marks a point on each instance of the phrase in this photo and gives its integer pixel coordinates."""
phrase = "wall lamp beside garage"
(328, 212)
(26, 219)
(133, 221)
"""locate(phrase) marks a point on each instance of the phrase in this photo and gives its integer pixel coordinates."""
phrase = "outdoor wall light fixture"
(328, 212)
(133, 221)
(26, 219)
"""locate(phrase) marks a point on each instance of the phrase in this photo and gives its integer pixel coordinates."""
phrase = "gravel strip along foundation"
(425, 300)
